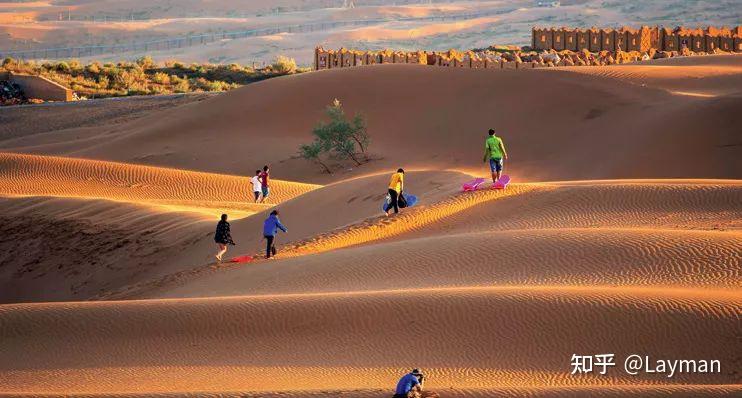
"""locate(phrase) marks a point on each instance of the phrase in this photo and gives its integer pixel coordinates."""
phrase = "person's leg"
(221, 249)
(257, 196)
(395, 198)
(273, 247)
(268, 245)
(499, 168)
(493, 169)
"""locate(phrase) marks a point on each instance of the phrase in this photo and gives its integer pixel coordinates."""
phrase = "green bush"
(284, 65)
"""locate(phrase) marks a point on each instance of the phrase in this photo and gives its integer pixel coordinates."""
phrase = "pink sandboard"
(503, 182)
(473, 185)
(241, 259)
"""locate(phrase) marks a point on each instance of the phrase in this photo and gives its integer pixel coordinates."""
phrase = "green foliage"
(143, 77)
(284, 65)
(339, 138)
(145, 62)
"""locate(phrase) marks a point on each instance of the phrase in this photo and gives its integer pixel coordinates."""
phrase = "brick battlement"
(644, 39)
(331, 59)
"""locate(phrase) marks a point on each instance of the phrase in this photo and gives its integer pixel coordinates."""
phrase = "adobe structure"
(644, 39)
(331, 59)
(38, 87)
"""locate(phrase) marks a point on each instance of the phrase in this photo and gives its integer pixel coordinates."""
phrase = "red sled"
(241, 259)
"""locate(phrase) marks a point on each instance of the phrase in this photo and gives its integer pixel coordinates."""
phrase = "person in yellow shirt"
(396, 185)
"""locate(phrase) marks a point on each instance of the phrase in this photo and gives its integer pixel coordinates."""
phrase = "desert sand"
(620, 233)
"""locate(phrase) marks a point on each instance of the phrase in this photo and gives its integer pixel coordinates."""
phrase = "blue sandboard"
(411, 201)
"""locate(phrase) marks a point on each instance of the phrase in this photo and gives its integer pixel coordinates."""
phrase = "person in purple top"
(409, 384)
(270, 228)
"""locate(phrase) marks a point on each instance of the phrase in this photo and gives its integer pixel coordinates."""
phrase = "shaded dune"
(522, 336)
(54, 249)
(29, 175)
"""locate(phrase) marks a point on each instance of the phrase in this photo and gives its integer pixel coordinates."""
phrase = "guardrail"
(202, 39)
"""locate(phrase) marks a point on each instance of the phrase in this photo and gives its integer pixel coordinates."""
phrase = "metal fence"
(201, 39)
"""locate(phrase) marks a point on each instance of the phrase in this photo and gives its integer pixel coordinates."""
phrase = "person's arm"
(486, 151)
(279, 225)
(502, 147)
(401, 182)
(416, 384)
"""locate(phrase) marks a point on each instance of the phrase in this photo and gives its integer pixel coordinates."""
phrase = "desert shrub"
(284, 65)
(103, 82)
(8, 61)
(93, 69)
(182, 86)
(75, 66)
(63, 67)
(339, 138)
(145, 62)
(123, 79)
(161, 78)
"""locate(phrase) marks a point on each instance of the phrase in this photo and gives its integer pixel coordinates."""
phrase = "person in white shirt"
(257, 188)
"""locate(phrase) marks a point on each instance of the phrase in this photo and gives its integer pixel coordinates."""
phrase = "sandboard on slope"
(502, 182)
(411, 201)
(473, 185)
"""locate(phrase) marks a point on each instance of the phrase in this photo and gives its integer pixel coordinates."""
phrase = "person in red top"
(264, 178)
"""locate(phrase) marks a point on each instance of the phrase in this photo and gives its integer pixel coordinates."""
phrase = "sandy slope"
(490, 292)
(520, 336)
(437, 118)
(209, 194)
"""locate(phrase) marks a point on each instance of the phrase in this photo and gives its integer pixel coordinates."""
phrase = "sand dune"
(318, 341)
(490, 292)
(440, 118)
(210, 194)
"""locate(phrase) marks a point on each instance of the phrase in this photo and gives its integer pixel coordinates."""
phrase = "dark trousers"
(395, 200)
(269, 247)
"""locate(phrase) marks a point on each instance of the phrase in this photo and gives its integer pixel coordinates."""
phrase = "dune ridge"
(210, 194)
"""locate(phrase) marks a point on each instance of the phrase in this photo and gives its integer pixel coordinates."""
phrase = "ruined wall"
(329, 59)
(41, 88)
(646, 38)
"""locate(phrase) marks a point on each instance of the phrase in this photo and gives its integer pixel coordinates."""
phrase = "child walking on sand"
(222, 237)
(270, 228)
(494, 150)
(257, 186)
(264, 177)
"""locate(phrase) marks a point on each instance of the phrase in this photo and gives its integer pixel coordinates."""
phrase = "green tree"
(339, 137)
(313, 152)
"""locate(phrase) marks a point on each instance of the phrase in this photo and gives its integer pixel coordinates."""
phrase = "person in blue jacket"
(410, 384)
(270, 228)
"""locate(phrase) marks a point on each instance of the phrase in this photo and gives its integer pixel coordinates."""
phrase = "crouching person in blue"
(270, 228)
(410, 385)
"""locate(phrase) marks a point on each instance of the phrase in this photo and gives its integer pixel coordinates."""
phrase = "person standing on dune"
(494, 150)
(396, 185)
(222, 237)
(264, 177)
(270, 228)
(257, 185)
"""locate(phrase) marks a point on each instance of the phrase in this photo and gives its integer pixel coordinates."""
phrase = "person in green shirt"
(494, 150)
